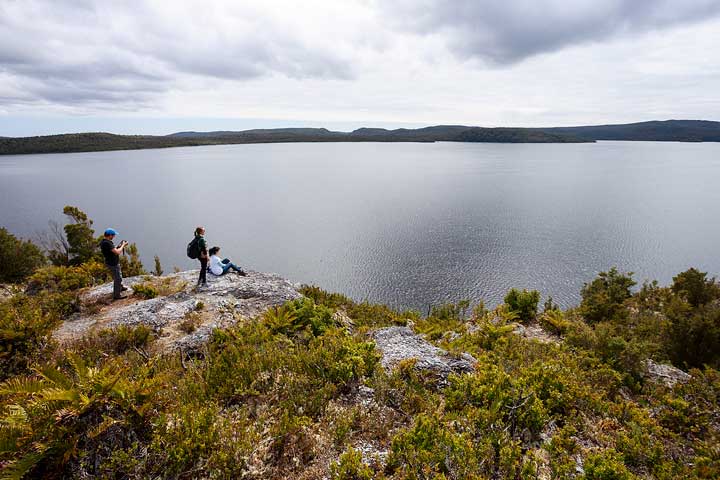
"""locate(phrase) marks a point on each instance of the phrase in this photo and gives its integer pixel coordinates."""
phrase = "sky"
(157, 67)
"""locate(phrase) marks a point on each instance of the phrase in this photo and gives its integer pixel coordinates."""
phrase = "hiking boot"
(124, 288)
(241, 273)
(121, 297)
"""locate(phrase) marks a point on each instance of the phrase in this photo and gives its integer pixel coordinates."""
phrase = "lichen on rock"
(226, 299)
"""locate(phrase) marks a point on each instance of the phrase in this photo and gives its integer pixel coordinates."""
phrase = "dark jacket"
(202, 245)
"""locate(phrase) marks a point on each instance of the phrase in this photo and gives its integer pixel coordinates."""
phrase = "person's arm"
(119, 249)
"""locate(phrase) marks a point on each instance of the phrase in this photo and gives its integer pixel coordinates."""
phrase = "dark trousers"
(117, 279)
(203, 271)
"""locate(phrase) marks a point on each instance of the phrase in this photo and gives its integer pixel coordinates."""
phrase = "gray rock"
(665, 374)
(401, 343)
(225, 300)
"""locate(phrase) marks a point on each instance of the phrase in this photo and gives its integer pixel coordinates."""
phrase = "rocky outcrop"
(225, 300)
(401, 343)
(665, 374)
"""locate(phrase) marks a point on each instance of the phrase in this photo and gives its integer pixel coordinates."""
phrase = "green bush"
(524, 303)
(350, 467)
(78, 245)
(18, 258)
(695, 288)
(66, 279)
(301, 315)
(116, 340)
(145, 290)
(606, 465)
(53, 414)
(130, 263)
(692, 338)
(25, 335)
(604, 297)
(554, 321)
(429, 449)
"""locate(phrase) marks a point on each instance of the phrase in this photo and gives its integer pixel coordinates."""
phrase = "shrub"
(158, 271)
(25, 335)
(554, 321)
(145, 290)
(606, 465)
(78, 245)
(52, 414)
(350, 467)
(120, 339)
(59, 279)
(693, 286)
(692, 337)
(18, 258)
(524, 303)
(450, 311)
(299, 315)
(130, 263)
(190, 322)
(604, 297)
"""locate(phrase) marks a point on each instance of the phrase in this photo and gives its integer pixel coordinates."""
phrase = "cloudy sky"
(131, 66)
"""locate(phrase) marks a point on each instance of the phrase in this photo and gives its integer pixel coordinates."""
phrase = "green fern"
(280, 320)
(42, 426)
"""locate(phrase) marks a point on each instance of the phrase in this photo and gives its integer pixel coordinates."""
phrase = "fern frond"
(79, 366)
(65, 415)
(16, 416)
(100, 429)
(55, 376)
(60, 395)
(17, 469)
(24, 385)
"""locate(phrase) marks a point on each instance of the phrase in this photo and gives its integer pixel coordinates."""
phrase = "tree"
(130, 263)
(604, 297)
(78, 245)
(18, 258)
(524, 303)
(693, 286)
(692, 337)
(158, 268)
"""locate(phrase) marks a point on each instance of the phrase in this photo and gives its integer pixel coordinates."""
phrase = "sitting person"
(220, 267)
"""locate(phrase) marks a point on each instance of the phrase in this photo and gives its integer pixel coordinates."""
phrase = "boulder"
(665, 374)
(222, 303)
(401, 343)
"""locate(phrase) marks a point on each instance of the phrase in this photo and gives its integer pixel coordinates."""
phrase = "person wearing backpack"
(198, 249)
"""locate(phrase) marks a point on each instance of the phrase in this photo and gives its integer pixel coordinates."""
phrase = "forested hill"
(670, 130)
(88, 142)
(667, 131)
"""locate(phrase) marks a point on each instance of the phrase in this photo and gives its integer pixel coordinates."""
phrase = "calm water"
(405, 224)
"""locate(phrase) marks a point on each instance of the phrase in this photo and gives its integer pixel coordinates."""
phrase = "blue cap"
(111, 231)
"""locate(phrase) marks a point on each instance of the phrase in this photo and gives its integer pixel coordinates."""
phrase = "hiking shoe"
(124, 289)
(120, 297)
(241, 273)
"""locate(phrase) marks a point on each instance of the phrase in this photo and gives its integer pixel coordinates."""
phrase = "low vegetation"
(299, 392)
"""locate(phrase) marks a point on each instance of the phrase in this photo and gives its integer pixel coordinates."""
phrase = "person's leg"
(202, 280)
(117, 280)
(225, 267)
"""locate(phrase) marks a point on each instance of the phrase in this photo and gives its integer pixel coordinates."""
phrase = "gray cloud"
(509, 31)
(76, 52)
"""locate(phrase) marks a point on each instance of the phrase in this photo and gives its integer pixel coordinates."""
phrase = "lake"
(400, 223)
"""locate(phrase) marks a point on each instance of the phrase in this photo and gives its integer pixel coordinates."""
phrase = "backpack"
(193, 248)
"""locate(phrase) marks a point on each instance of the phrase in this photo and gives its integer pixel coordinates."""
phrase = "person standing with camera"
(112, 260)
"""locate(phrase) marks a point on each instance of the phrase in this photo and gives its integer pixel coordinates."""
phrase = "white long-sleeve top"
(216, 265)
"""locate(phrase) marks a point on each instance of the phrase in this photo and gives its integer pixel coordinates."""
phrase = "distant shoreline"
(665, 131)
